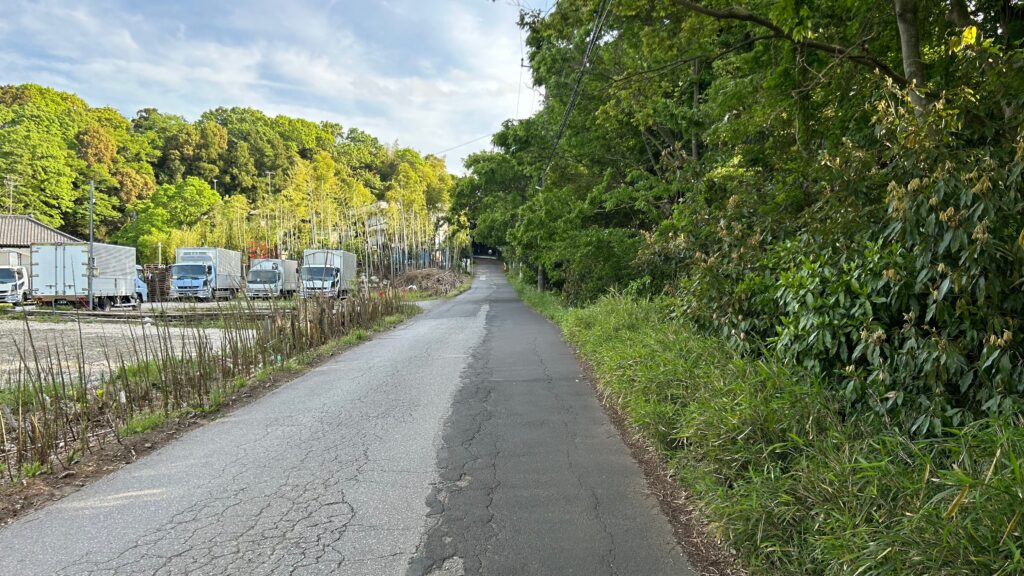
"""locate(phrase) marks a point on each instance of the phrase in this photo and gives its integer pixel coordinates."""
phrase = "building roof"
(23, 231)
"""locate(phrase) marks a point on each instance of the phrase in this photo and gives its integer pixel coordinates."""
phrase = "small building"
(18, 234)
(18, 231)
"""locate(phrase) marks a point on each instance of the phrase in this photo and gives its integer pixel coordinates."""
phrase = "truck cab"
(322, 281)
(14, 287)
(141, 288)
(264, 281)
(327, 273)
(192, 280)
(206, 273)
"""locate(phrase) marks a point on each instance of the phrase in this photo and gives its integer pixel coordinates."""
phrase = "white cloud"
(430, 75)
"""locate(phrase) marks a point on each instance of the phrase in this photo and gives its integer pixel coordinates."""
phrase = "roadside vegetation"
(855, 211)
(783, 471)
(54, 408)
(792, 239)
(432, 283)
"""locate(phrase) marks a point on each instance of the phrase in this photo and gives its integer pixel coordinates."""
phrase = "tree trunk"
(910, 46)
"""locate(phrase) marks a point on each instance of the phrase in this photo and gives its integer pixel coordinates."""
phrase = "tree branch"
(701, 58)
(743, 15)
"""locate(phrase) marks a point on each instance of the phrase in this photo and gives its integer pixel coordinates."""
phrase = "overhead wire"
(602, 13)
(466, 143)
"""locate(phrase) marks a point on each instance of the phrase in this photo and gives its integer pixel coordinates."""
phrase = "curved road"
(464, 442)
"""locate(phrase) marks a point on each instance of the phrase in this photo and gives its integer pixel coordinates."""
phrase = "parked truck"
(206, 273)
(15, 279)
(272, 278)
(60, 274)
(327, 273)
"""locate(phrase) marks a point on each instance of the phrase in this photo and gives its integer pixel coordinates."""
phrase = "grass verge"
(790, 480)
(548, 304)
(143, 423)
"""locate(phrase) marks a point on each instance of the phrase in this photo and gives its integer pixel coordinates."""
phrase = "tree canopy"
(836, 181)
(231, 177)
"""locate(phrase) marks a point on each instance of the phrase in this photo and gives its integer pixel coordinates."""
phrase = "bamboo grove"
(234, 177)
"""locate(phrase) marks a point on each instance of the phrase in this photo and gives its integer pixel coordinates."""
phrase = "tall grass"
(791, 479)
(53, 409)
(548, 304)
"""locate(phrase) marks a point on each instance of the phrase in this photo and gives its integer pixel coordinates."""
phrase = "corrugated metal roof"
(22, 231)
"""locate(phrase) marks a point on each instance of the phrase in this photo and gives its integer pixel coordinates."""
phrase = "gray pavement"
(464, 442)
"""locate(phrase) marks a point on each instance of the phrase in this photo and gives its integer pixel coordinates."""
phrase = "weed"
(143, 423)
(548, 304)
(31, 469)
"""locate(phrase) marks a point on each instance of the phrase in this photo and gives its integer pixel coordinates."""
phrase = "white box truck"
(15, 278)
(206, 273)
(60, 274)
(272, 278)
(327, 273)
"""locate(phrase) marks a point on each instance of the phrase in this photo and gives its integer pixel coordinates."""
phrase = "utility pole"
(92, 201)
(11, 181)
(541, 274)
(405, 239)
(159, 253)
(214, 184)
(266, 219)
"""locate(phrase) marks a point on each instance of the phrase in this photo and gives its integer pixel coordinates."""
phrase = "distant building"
(21, 232)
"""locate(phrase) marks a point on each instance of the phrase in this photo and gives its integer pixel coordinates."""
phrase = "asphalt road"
(464, 442)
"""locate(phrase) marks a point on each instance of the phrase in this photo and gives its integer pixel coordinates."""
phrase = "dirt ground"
(62, 340)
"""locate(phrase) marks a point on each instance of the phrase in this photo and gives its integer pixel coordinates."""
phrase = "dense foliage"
(232, 177)
(835, 183)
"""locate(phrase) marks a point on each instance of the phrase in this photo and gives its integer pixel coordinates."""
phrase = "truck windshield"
(263, 276)
(321, 273)
(7, 276)
(188, 271)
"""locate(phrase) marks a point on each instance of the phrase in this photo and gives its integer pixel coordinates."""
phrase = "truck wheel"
(103, 304)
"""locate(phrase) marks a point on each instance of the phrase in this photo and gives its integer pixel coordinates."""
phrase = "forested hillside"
(837, 181)
(789, 238)
(231, 177)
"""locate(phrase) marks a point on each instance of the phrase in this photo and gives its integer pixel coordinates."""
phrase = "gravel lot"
(98, 339)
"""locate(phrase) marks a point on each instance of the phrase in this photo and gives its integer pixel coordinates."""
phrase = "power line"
(467, 143)
(602, 12)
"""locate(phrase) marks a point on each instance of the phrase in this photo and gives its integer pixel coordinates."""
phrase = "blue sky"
(431, 74)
